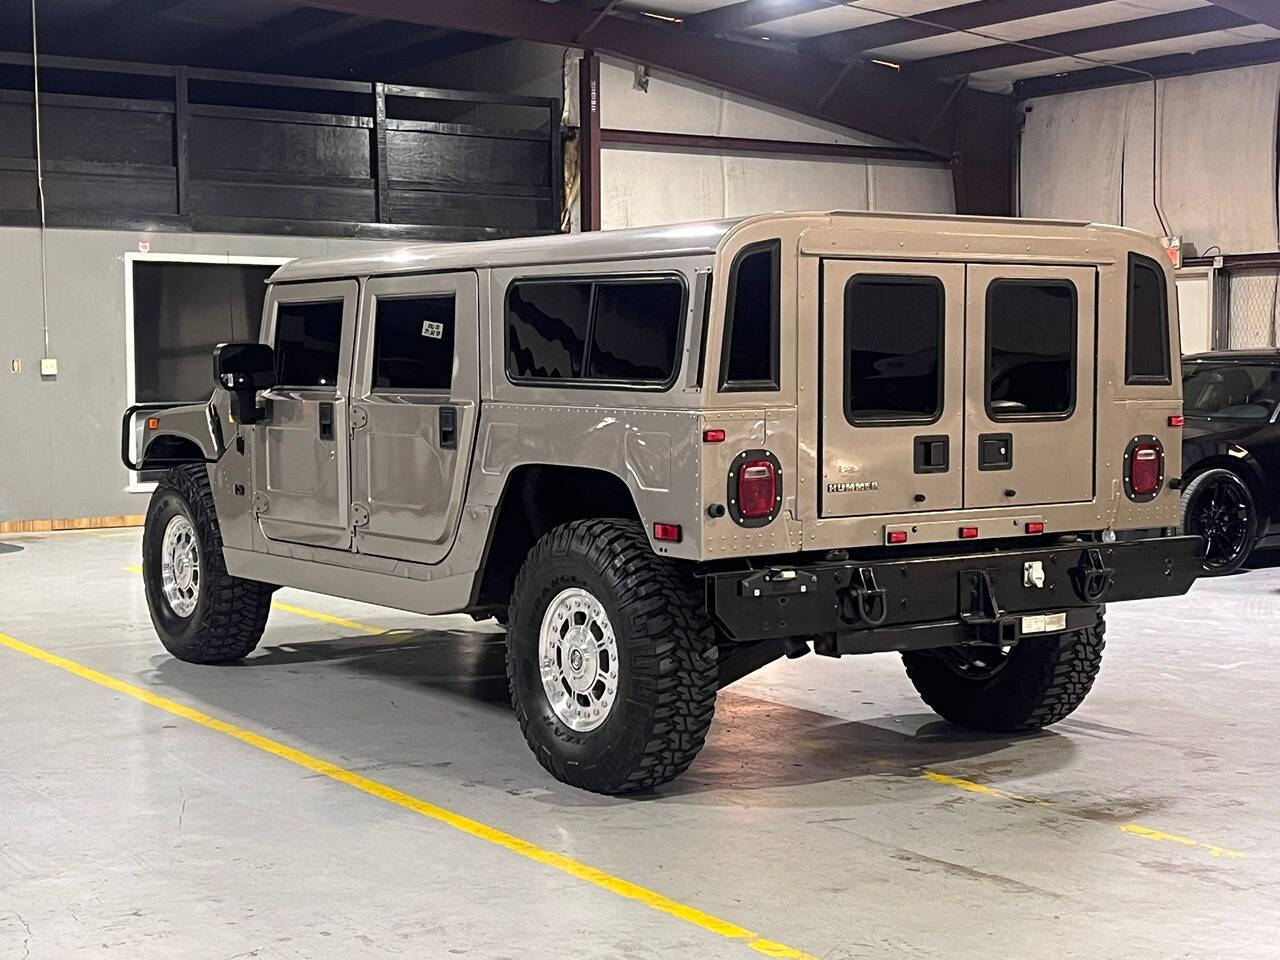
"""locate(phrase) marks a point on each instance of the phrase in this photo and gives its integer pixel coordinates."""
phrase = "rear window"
(1031, 349)
(750, 352)
(1146, 357)
(413, 343)
(893, 329)
(617, 331)
(308, 340)
(1230, 390)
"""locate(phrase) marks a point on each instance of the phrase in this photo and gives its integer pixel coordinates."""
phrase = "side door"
(301, 470)
(1031, 350)
(892, 411)
(417, 390)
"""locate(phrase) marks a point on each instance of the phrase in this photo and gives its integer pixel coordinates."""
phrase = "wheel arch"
(171, 449)
(537, 497)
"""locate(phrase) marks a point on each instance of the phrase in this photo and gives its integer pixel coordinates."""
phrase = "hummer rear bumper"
(918, 603)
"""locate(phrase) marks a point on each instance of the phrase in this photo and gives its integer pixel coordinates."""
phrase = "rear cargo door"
(1030, 356)
(893, 401)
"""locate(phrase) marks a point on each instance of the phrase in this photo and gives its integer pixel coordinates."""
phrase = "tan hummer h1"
(666, 457)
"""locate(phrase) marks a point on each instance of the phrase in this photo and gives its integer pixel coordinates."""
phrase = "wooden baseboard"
(70, 523)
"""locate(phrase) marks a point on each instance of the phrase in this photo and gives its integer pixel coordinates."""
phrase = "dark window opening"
(607, 330)
(1146, 357)
(893, 349)
(750, 349)
(308, 338)
(413, 343)
(1031, 349)
(1230, 390)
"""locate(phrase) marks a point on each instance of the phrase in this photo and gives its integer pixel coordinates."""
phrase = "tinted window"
(1231, 391)
(307, 340)
(635, 331)
(893, 341)
(750, 353)
(1147, 330)
(547, 329)
(1031, 340)
(413, 344)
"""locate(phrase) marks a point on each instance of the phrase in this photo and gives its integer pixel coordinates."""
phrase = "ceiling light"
(660, 16)
(886, 63)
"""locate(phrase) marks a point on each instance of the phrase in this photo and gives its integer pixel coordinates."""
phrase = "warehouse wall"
(643, 186)
(60, 437)
(1088, 155)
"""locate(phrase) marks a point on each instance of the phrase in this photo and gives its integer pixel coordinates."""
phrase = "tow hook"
(867, 599)
(1092, 578)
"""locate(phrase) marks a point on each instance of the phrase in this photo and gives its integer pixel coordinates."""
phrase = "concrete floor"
(829, 811)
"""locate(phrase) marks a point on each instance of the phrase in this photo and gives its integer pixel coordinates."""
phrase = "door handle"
(326, 421)
(932, 454)
(448, 428)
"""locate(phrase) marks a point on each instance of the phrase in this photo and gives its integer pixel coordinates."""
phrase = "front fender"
(181, 434)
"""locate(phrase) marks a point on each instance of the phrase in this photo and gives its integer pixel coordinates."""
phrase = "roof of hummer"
(682, 239)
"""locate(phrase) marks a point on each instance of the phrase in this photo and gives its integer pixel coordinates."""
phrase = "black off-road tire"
(1042, 681)
(230, 613)
(666, 650)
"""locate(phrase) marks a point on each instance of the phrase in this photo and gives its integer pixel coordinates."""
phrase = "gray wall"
(60, 437)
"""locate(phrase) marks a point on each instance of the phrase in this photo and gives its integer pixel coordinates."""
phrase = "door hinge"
(359, 514)
(359, 417)
(260, 503)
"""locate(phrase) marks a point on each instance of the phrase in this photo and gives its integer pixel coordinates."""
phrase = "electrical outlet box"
(48, 367)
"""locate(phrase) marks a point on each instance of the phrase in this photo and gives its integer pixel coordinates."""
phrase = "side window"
(893, 330)
(1146, 356)
(413, 343)
(1031, 349)
(749, 355)
(635, 331)
(308, 338)
(608, 330)
(547, 329)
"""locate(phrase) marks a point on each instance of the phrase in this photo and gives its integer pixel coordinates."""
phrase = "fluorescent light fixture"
(661, 16)
(886, 63)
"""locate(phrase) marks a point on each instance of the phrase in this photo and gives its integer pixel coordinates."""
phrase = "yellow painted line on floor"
(310, 614)
(474, 828)
(1136, 829)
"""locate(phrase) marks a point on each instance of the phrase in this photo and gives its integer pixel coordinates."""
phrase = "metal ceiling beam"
(749, 13)
(1168, 26)
(271, 38)
(1259, 11)
(1170, 65)
(849, 44)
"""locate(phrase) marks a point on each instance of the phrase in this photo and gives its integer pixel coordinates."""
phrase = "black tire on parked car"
(201, 612)
(611, 658)
(1218, 506)
(1038, 681)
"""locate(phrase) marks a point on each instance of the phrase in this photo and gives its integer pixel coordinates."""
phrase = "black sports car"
(1231, 453)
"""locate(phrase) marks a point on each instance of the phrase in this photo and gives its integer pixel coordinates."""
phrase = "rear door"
(1030, 359)
(413, 422)
(301, 478)
(893, 401)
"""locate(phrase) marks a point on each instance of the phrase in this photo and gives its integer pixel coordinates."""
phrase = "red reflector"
(1177, 421)
(1034, 526)
(757, 489)
(897, 536)
(1146, 468)
(968, 533)
(667, 531)
(713, 436)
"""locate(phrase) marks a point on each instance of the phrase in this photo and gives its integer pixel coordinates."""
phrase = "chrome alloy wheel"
(180, 566)
(578, 658)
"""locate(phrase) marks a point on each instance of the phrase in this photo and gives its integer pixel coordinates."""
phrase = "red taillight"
(1146, 469)
(714, 435)
(968, 533)
(667, 531)
(897, 536)
(1034, 526)
(1177, 421)
(757, 489)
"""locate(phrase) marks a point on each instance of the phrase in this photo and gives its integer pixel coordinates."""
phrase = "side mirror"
(243, 369)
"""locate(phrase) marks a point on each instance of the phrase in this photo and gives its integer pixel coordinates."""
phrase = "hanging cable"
(44, 263)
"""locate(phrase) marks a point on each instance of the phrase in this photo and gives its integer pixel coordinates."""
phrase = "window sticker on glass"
(432, 329)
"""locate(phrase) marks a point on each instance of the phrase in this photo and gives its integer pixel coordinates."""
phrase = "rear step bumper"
(992, 597)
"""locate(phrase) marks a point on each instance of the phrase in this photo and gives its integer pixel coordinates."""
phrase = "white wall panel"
(641, 188)
(1071, 155)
